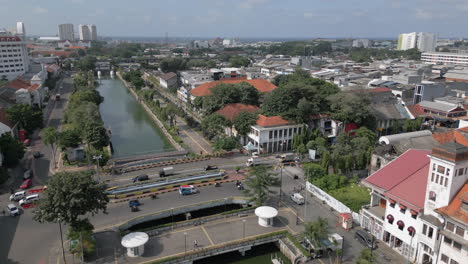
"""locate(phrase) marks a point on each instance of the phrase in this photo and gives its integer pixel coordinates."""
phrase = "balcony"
(375, 212)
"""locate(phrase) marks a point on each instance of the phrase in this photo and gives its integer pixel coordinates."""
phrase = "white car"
(18, 196)
(297, 198)
(29, 199)
(13, 210)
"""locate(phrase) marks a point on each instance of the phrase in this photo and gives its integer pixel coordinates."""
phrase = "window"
(444, 258)
(441, 180)
(400, 225)
(276, 133)
(432, 177)
(460, 172)
(447, 240)
(460, 231)
(414, 216)
(457, 245)
(453, 262)
(432, 196)
(437, 178)
(450, 226)
(440, 169)
(430, 233)
(446, 181)
(271, 135)
(281, 133)
(447, 173)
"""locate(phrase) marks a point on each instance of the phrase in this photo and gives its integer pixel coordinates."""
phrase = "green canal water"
(133, 131)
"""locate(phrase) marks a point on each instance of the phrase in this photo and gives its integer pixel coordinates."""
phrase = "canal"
(133, 131)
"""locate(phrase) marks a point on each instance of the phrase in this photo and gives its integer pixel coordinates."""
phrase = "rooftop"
(270, 121)
(261, 85)
(437, 106)
(231, 111)
(168, 76)
(455, 209)
(404, 179)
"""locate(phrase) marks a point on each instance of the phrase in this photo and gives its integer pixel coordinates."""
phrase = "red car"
(26, 184)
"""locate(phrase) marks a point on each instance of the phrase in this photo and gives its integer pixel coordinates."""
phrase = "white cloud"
(248, 4)
(40, 10)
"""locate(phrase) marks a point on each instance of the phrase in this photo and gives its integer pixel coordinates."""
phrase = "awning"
(250, 146)
(411, 230)
(390, 218)
(391, 201)
(400, 223)
(413, 212)
(403, 207)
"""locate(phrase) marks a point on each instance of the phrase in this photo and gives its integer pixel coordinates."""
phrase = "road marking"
(115, 257)
(208, 236)
(195, 141)
(58, 259)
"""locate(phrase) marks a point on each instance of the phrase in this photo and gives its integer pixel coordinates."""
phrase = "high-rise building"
(87, 32)
(66, 32)
(14, 59)
(361, 43)
(20, 29)
(424, 42)
(407, 41)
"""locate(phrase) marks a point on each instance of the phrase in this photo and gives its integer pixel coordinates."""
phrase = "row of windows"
(460, 171)
(439, 179)
(455, 229)
(11, 65)
(9, 45)
(446, 259)
(454, 244)
(13, 70)
(11, 55)
(403, 210)
(13, 50)
(10, 60)
(280, 133)
(428, 231)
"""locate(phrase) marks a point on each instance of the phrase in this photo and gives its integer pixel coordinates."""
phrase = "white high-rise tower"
(66, 32)
(20, 29)
(87, 32)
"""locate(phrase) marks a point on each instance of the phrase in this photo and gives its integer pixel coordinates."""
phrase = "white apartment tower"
(424, 42)
(87, 32)
(20, 29)
(66, 32)
(14, 59)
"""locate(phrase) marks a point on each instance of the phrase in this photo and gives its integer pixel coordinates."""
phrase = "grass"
(353, 196)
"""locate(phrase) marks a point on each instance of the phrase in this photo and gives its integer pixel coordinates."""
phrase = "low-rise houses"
(168, 80)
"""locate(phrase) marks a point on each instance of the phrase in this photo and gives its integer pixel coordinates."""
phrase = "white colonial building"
(417, 204)
(14, 59)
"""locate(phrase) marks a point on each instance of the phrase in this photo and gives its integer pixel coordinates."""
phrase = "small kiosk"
(345, 220)
(266, 214)
(135, 243)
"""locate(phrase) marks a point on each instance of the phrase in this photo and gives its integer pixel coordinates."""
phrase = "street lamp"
(243, 228)
(61, 239)
(97, 158)
(185, 236)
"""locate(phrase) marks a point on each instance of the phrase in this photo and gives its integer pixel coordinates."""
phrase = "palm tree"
(315, 231)
(258, 183)
(51, 137)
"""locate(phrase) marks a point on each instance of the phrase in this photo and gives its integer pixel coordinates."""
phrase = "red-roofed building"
(230, 112)
(419, 196)
(273, 134)
(261, 85)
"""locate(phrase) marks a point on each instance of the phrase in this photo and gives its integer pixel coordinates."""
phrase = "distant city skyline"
(243, 18)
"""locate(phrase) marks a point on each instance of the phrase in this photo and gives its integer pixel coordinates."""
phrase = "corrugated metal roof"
(437, 106)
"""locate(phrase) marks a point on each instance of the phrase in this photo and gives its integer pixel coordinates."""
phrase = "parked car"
(29, 199)
(13, 210)
(18, 196)
(134, 203)
(142, 177)
(209, 167)
(26, 184)
(364, 238)
(297, 198)
(37, 154)
(27, 175)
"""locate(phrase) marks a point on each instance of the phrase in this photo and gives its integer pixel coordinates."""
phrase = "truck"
(166, 171)
(325, 246)
(256, 161)
(287, 157)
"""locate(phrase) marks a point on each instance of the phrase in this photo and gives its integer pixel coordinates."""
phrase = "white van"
(29, 199)
(297, 198)
(18, 196)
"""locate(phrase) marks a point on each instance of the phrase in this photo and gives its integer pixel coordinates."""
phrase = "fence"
(332, 202)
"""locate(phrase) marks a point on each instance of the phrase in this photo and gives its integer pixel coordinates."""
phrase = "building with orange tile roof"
(273, 134)
(231, 111)
(261, 85)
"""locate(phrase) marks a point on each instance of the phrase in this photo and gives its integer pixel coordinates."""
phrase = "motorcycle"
(217, 184)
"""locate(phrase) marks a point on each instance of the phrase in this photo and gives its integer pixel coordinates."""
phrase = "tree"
(367, 133)
(243, 121)
(258, 183)
(28, 117)
(86, 95)
(69, 138)
(314, 171)
(11, 149)
(51, 137)
(173, 64)
(213, 125)
(69, 196)
(248, 93)
(95, 134)
(87, 63)
(104, 156)
(239, 61)
(226, 143)
(352, 108)
(316, 231)
(366, 257)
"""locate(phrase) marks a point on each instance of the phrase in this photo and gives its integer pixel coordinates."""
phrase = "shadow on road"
(108, 248)
(8, 225)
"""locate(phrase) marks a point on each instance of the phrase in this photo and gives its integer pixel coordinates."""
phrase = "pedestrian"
(3, 212)
(195, 244)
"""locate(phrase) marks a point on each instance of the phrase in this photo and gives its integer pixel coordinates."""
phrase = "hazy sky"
(243, 18)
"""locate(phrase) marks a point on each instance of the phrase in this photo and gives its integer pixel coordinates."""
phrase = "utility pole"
(98, 158)
(61, 239)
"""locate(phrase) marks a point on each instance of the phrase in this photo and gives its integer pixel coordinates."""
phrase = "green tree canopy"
(243, 121)
(223, 94)
(226, 143)
(316, 231)
(70, 196)
(366, 257)
(258, 184)
(12, 150)
(173, 64)
(352, 108)
(85, 95)
(28, 117)
(87, 63)
(69, 138)
(239, 61)
(213, 125)
(95, 134)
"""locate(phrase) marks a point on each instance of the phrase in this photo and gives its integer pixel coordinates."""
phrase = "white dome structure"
(135, 243)
(266, 214)
(391, 139)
